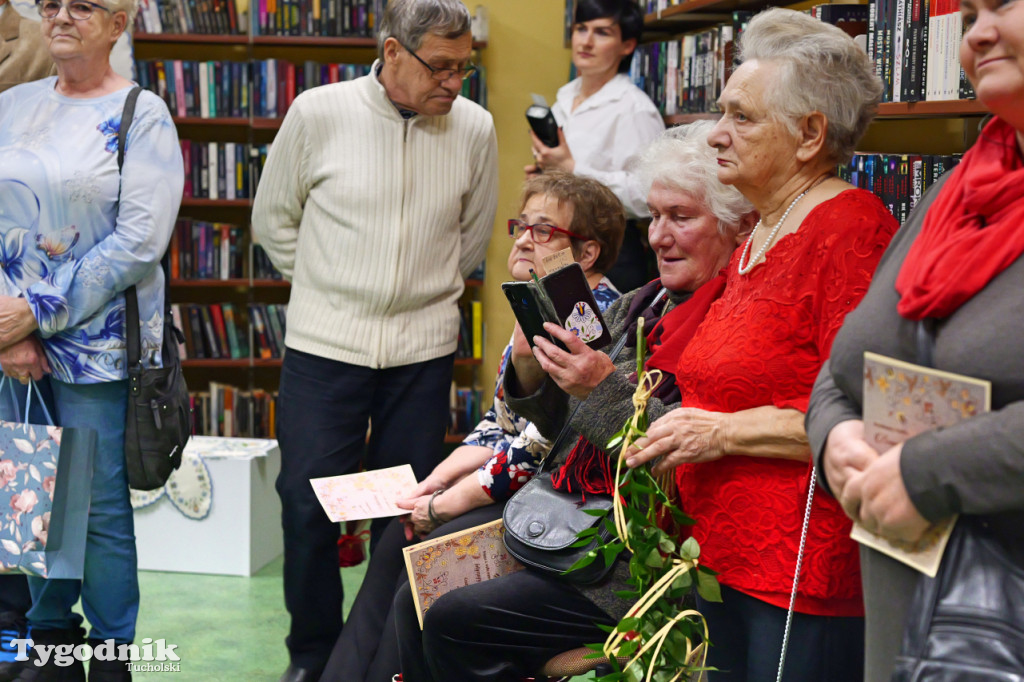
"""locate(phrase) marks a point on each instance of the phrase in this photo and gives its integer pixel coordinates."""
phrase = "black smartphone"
(574, 304)
(543, 124)
(528, 311)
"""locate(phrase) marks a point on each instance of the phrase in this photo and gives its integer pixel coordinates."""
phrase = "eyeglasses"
(79, 10)
(444, 74)
(541, 232)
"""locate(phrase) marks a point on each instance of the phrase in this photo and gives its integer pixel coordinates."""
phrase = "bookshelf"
(239, 378)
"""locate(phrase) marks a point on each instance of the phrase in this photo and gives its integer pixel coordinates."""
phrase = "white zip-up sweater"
(376, 220)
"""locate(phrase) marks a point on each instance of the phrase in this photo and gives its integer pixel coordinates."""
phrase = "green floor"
(227, 628)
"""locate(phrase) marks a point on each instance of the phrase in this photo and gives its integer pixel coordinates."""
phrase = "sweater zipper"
(406, 124)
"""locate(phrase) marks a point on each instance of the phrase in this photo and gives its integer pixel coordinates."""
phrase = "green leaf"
(690, 549)
(708, 588)
(667, 545)
(582, 542)
(595, 512)
(627, 624)
(583, 562)
(629, 648)
(655, 560)
(610, 551)
(615, 442)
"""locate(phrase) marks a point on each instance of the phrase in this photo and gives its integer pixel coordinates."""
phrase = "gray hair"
(131, 7)
(681, 159)
(821, 69)
(407, 21)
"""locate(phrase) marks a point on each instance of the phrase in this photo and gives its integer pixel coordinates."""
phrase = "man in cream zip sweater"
(377, 200)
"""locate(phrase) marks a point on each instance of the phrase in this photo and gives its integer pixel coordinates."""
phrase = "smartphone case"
(563, 297)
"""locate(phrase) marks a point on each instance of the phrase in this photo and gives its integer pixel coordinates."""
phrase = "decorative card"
(443, 564)
(902, 400)
(365, 495)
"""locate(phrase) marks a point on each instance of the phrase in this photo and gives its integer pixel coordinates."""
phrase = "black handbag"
(967, 623)
(541, 525)
(159, 417)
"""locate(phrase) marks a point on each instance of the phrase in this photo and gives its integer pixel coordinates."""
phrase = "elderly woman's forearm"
(767, 431)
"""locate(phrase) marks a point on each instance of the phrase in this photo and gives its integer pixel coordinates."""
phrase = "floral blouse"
(516, 444)
(66, 244)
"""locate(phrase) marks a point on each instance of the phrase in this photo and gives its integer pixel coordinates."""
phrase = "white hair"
(131, 7)
(408, 21)
(681, 159)
(821, 69)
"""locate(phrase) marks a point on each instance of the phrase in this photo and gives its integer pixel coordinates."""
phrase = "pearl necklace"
(744, 269)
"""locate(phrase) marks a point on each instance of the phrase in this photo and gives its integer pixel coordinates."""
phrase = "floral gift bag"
(45, 483)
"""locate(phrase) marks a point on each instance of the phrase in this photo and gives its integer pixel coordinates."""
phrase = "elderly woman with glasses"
(77, 231)
(559, 211)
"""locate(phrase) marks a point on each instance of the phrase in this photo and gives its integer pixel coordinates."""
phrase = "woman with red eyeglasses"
(559, 211)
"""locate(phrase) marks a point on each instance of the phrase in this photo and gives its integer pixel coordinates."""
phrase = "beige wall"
(524, 54)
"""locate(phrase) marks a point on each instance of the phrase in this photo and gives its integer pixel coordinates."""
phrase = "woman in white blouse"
(605, 120)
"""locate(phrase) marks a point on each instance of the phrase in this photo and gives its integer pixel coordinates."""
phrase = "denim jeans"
(110, 587)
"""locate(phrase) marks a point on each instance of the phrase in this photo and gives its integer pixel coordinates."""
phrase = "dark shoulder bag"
(967, 623)
(542, 524)
(159, 418)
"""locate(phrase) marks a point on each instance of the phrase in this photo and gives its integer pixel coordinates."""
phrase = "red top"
(763, 343)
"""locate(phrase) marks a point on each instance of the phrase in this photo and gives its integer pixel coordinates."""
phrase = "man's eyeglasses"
(79, 10)
(541, 232)
(444, 74)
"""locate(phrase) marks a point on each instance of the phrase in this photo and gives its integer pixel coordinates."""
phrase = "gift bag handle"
(28, 401)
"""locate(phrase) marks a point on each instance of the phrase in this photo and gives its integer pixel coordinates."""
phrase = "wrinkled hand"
(427, 486)
(846, 454)
(885, 505)
(417, 522)
(25, 359)
(529, 373)
(685, 434)
(553, 158)
(578, 371)
(16, 320)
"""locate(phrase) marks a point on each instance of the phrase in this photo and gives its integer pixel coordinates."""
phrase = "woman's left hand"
(418, 522)
(16, 320)
(576, 372)
(885, 505)
(552, 158)
(686, 434)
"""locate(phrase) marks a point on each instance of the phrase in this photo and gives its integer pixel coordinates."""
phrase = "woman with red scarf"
(956, 264)
(796, 107)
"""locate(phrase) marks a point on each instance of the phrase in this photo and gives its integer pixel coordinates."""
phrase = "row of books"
(686, 75)
(465, 408)
(222, 170)
(201, 250)
(215, 330)
(225, 410)
(471, 330)
(259, 88)
(915, 45)
(352, 18)
(214, 17)
(899, 180)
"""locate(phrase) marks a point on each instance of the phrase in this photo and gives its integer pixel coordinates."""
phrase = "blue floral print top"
(516, 444)
(66, 245)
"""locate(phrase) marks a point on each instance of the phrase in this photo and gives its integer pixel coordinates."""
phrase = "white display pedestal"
(242, 532)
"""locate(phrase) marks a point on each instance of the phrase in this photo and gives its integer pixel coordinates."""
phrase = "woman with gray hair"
(697, 224)
(794, 109)
(78, 232)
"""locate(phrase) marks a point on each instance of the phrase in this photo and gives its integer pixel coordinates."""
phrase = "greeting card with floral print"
(366, 495)
(902, 400)
(443, 564)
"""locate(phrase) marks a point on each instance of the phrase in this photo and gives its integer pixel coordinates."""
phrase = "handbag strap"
(796, 573)
(566, 428)
(131, 300)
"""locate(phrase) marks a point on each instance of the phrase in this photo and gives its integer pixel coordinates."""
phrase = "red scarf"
(587, 468)
(973, 230)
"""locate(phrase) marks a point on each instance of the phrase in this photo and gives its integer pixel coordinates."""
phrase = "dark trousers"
(746, 637)
(367, 650)
(325, 407)
(500, 630)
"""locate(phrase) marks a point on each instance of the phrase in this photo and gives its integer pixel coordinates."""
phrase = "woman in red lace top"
(795, 108)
